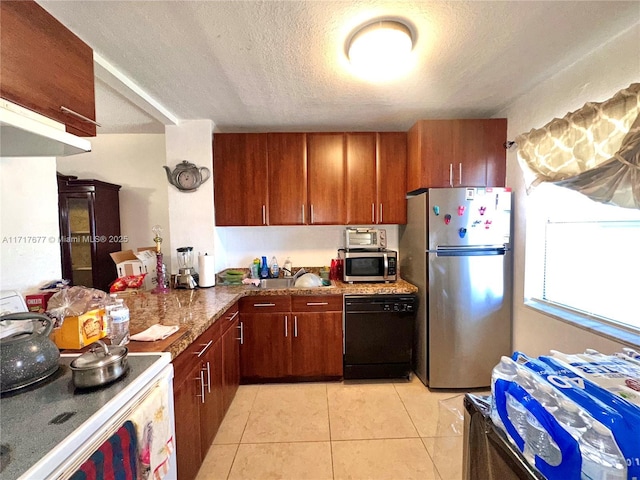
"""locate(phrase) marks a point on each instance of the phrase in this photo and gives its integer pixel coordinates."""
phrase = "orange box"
(80, 331)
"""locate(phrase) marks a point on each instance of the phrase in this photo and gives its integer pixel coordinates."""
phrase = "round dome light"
(381, 50)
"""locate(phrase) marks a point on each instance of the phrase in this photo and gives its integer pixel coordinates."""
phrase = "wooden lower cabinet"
(211, 407)
(186, 398)
(266, 347)
(304, 341)
(205, 380)
(316, 346)
(231, 362)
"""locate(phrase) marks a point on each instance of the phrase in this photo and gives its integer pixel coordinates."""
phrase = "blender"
(187, 276)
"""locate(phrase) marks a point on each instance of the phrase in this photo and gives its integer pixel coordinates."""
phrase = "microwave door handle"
(386, 265)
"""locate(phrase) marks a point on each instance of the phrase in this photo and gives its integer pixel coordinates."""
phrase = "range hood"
(24, 133)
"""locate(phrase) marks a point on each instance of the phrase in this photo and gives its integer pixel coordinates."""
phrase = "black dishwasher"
(378, 335)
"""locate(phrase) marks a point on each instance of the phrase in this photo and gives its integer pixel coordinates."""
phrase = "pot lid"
(99, 356)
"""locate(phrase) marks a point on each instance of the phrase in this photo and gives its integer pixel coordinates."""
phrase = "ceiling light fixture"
(381, 50)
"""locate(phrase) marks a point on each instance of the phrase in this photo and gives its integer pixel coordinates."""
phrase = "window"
(583, 257)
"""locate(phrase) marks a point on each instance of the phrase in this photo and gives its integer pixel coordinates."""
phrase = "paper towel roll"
(206, 271)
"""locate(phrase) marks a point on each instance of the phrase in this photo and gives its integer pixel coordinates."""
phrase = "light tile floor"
(373, 430)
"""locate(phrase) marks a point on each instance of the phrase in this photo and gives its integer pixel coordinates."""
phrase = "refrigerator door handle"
(386, 266)
(470, 251)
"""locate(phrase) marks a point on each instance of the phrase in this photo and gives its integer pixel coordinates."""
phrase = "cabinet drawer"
(265, 304)
(316, 303)
(228, 318)
(194, 353)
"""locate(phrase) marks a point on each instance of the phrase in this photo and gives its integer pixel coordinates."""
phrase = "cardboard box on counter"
(82, 330)
(130, 263)
(37, 302)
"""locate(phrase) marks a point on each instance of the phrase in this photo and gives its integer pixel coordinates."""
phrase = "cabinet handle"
(286, 327)
(373, 213)
(234, 316)
(460, 168)
(264, 215)
(241, 327)
(380, 217)
(315, 304)
(295, 326)
(78, 115)
(201, 386)
(302, 213)
(451, 174)
(199, 354)
(208, 377)
(264, 304)
(312, 213)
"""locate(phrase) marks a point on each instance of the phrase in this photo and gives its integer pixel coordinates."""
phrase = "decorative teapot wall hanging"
(187, 177)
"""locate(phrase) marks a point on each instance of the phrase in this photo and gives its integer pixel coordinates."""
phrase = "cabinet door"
(76, 225)
(287, 158)
(230, 363)
(430, 155)
(266, 349)
(212, 409)
(45, 66)
(240, 179)
(392, 178)
(326, 178)
(470, 162)
(495, 135)
(361, 178)
(187, 396)
(317, 345)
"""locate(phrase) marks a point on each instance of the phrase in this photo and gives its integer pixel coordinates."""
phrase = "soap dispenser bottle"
(286, 268)
(264, 268)
(275, 269)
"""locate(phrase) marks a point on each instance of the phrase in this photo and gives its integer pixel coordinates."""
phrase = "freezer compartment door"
(469, 216)
(469, 318)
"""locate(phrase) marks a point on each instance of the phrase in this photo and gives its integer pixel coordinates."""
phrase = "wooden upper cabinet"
(287, 158)
(240, 177)
(45, 66)
(361, 178)
(457, 153)
(391, 174)
(326, 178)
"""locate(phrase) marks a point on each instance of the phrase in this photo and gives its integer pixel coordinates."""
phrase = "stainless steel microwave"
(370, 266)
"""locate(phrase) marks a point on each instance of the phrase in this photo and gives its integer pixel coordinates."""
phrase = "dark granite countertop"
(194, 311)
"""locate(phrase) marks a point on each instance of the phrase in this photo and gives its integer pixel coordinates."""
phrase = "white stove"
(49, 429)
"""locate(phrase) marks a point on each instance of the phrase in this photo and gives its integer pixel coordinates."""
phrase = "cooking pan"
(101, 365)
(28, 356)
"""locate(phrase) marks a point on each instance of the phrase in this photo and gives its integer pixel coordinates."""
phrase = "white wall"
(135, 162)
(29, 229)
(307, 246)
(594, 78)
(191, 213)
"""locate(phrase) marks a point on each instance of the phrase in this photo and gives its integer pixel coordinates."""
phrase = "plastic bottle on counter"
(286, 268)
(120, 323)
(275, 269)
(601, 457)
(264, 268)
(109, 305)
(505, 370)
(539, 442)
(568, 414)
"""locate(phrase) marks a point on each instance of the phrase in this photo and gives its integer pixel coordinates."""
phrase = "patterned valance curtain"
(594, 150)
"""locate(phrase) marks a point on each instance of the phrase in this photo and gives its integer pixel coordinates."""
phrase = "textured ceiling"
(280, 65)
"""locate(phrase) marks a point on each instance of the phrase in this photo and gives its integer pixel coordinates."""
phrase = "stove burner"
(60, 372)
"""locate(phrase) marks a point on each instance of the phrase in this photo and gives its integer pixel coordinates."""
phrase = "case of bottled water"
(572, 416)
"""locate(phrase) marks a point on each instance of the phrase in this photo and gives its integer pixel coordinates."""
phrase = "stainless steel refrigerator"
(456, 249)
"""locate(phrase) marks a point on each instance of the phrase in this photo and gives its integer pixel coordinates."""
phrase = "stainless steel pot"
(27, 357)
(101, 365)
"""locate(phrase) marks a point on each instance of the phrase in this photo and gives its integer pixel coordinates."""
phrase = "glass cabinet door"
(80, 246)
